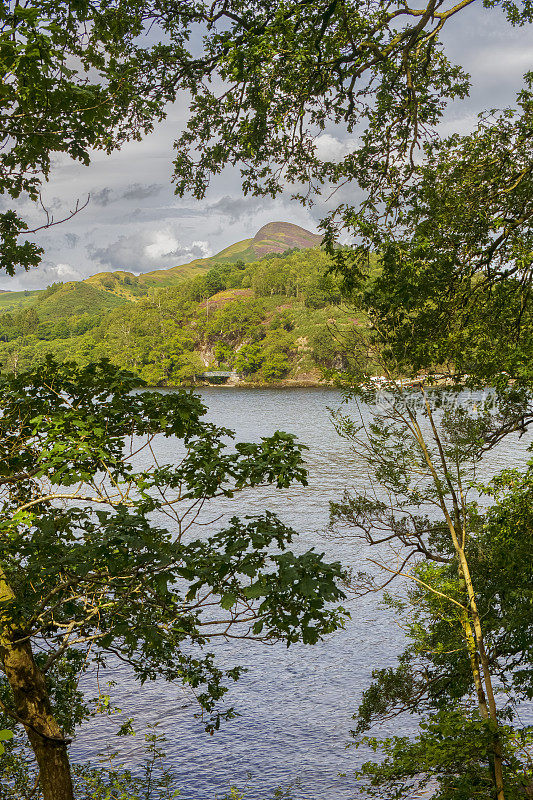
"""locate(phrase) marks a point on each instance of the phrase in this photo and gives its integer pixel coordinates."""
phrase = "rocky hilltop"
(105, 290)
(276, 237)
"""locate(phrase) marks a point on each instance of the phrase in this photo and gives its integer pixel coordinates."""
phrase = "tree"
(451, 290)
(449, 218)
(291, 69)
(78, 77)
(468, 628)
(87, 572)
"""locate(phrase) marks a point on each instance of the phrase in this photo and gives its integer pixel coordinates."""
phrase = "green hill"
(276, 319)
(74, 299)
(275, 237)
(13, 301)
(114, 288)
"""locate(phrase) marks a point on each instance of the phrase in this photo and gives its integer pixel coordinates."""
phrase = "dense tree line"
(177, 332)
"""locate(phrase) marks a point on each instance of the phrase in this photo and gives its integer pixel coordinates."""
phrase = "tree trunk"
(458, 537)
(32, 706)
(498, 765)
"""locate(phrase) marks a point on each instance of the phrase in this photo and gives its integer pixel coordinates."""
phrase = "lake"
(296, 703)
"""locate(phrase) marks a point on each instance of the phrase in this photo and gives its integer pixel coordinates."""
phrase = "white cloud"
(46, 273)
(65, 272)
(167, 247)
(146, 250)
(163, 244)
(330, 148)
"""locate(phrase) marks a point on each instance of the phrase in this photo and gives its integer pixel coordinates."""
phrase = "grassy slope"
(169, 277)
(275, 237)
(14, 301)
(75, 299)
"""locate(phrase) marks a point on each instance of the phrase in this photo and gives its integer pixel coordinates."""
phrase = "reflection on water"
(295, 704)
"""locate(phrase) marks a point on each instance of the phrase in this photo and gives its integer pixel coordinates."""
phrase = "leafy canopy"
(88, 568)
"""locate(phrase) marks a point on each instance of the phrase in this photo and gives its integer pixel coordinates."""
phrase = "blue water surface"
(294, 704)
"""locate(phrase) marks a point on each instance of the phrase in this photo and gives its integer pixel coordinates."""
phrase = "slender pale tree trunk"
(487, 678)
(458, 537)
(474, 665)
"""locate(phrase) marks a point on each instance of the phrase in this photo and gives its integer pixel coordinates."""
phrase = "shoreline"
(284, 384)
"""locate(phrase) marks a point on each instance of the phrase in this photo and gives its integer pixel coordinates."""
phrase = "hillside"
(74, 299)
(12, 301)
(106, 290)
(278, 319)
(275, 237)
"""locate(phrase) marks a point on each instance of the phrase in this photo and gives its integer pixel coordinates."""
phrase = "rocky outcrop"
(276, 237)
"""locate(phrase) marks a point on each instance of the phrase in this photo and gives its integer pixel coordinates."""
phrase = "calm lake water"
(296, 703)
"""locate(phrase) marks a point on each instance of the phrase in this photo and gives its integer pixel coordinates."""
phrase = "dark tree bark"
(33, 709)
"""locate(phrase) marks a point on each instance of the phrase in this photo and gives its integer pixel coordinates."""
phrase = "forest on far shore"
(283, 317)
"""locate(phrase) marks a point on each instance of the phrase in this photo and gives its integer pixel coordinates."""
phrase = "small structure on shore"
(215, 376)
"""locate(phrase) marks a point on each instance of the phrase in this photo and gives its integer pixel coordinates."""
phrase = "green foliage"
(249, 359)
(293, 275)
(12, 253)
(163, 338)
(390, 73)
(79, 77)
(153, 780)
(448, 757)
(468, 593)
(329, 349)
(97, 575)
(452, 291)
(5, 736)
(324, 291)
(75, 299)
(234, 321)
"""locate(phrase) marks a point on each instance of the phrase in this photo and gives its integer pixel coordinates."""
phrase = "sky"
(133, 220)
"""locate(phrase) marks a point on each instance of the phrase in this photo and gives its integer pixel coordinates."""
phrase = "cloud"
(330, 148)
(65, 272)
(197, 249)
(156, 214)
(71, 240)
(144, 251)
(46, 273)
(138, 191)
(103, 197)
(135, 191)
(162, 246)
(54, 204)
(237, 207)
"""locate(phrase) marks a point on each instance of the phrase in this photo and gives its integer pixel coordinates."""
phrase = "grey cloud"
(190, 252)
(54, 204)
(158, 214)
(103, 197)
(139, 191)
(135, 191)
(236, 207)
(141, 252)
(71, 240)
(121, 254)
